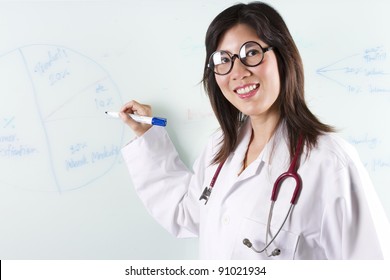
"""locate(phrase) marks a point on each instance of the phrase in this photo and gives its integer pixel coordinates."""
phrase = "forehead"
(236, 36)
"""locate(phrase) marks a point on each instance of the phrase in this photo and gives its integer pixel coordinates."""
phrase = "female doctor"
(253, 76)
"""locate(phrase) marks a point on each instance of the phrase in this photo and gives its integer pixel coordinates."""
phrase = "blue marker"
(142, 119)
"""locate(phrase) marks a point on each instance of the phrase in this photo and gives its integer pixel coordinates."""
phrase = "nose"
(239, 70)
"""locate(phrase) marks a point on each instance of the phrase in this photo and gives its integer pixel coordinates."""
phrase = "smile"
(247, 91)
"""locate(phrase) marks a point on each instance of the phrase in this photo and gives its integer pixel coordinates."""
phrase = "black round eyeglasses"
(251, 54)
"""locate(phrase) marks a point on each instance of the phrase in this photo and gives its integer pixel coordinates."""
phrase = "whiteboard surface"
(65, 192)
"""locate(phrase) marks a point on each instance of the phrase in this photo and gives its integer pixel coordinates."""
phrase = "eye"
(220, 57)
(250, 50)
(225, 59)
(253, 52)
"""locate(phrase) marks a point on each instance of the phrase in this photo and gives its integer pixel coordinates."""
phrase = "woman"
(253, 76)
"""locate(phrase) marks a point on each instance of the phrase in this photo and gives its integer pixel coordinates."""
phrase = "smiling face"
(252, 90)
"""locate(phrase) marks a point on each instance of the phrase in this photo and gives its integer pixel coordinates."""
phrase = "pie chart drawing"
(54, 135)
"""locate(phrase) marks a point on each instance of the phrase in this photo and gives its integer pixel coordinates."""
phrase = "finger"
(133, 107)
(124, 112)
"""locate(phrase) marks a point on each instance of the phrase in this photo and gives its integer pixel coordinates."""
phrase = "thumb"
(138, 128)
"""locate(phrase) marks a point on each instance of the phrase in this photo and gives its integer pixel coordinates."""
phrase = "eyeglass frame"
(234, 56)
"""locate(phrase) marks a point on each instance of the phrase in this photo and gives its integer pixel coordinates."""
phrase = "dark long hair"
(272, 30)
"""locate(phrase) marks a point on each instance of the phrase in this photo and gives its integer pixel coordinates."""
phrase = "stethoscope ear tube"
(291, 173)
(276, 251)
(279, 181)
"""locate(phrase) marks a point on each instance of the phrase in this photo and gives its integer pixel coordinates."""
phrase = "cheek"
(276, 83)
(220, 80)
(276, 77)
(272, 79)
(223, 83)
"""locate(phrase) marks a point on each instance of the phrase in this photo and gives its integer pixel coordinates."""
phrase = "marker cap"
(159, 121)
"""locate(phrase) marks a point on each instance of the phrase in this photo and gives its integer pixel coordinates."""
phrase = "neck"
(262, 130)
(264, 127)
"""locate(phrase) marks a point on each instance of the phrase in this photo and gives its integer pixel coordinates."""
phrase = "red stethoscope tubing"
(290, 173)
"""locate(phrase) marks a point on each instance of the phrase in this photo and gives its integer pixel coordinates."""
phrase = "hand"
(133, 107)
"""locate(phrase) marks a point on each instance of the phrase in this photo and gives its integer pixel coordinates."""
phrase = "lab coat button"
(226, 220)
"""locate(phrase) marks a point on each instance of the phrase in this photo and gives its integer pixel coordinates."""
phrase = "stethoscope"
(290, 173)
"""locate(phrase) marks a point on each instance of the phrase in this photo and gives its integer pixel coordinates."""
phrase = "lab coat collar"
(244, 138)
(275, 153)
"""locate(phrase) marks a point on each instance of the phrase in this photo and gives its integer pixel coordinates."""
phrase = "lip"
(248, 94)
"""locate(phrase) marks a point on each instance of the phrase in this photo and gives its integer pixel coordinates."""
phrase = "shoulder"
(334, 166)
(334, 150)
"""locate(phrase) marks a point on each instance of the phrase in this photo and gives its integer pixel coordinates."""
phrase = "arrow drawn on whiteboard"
(328, 70)
(8, 122)
(360, 72)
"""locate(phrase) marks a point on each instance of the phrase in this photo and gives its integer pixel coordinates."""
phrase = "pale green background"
(344, 46)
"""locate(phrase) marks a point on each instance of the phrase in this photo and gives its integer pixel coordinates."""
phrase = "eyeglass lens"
(251, 54)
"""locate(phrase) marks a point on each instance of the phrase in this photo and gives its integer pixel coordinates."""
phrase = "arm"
(350, 226)
(169, 190)
(164, 184)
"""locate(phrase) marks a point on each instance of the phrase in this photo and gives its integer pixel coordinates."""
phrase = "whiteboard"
(65, 192)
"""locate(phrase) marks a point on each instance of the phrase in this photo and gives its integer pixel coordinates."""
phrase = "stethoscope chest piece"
(206, 194)
(207, 190)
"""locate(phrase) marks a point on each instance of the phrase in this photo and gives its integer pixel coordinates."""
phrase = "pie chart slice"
(54, 135)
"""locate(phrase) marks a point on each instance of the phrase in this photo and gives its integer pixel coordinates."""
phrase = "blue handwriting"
(43, 66)
(365, 139)
(86, 158)
(17, 151)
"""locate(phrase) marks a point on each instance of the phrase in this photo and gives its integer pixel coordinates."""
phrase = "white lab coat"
(331, 220)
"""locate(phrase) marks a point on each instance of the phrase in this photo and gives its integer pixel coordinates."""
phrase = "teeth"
(246, 89)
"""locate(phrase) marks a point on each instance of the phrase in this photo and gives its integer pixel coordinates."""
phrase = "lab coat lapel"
(236, 160)
(275, 154)
(277, 161)
(274, 158)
